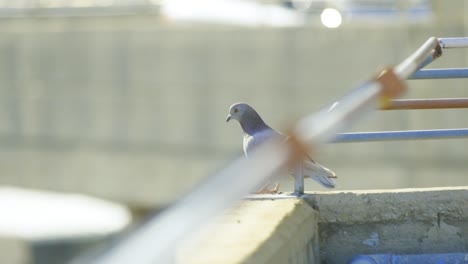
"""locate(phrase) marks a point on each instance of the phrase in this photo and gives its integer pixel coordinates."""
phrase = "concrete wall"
(410, 221)
(133, 109)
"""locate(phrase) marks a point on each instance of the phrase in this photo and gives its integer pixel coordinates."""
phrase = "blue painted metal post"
(298, 180)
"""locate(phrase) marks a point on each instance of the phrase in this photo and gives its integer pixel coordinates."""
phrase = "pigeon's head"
(238, 111)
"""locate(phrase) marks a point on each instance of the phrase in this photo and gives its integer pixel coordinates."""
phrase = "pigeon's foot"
(265, 189)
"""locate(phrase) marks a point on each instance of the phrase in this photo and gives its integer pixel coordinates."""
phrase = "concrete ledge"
(267, 229)
(333, 227)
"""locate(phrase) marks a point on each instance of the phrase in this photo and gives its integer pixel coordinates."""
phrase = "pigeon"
(256, 131)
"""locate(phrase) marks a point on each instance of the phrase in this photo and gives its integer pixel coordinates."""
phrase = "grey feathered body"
(256, 131)
(252, 141)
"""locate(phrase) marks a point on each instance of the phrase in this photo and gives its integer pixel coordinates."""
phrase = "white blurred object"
(331, 18)
(36, 215)
(234, 12)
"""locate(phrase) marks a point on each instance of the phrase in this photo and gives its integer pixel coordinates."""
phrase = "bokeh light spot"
(331, 18)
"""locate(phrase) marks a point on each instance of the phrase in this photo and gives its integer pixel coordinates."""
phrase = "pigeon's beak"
(228, 118)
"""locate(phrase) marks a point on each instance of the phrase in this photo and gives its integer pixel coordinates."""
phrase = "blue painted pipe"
(401, 135)
(449, 73)
(442, 258)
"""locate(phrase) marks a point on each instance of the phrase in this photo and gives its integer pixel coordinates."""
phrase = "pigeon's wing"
(319, 173)
(251, 142)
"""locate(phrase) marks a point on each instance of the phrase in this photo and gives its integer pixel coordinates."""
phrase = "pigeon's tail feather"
(319, 174)
(324, 181)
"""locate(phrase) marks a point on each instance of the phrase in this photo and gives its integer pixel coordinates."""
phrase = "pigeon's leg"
(276, 188)
(298, 180)
(265, 190)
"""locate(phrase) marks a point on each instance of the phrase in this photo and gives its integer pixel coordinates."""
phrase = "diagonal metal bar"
(414, 62)
(156, 240)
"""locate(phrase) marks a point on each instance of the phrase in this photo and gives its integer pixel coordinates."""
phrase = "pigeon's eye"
(236, 110)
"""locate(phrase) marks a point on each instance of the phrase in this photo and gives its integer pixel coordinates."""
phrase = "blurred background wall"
(129, 104)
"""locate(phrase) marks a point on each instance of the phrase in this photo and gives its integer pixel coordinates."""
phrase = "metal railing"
(157, 239)
(439, 103)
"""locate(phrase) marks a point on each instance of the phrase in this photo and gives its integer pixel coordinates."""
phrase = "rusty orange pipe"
(440, 103)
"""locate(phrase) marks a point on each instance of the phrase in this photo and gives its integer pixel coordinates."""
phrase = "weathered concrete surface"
(257, 231)
(408, 221)
(334, 226)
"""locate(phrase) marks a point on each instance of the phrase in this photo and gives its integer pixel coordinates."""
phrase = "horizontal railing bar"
(453, 42)
(449, 73)
(401, 135)
(439, 103)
